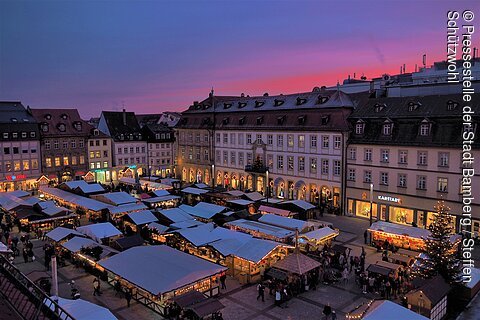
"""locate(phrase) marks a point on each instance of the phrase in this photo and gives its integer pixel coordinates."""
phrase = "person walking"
(223, 279)
(128, 297)
(261, 291)
(96, 287)
(278, 298)
(25, 255)
(327, 311)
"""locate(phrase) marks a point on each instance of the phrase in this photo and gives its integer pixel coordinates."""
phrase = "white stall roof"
(393, 228)
(32, 200)
(267, 229)
(159, 227)
(195, 191)
(319, 234)
(87, 203)
(84, 186)
(60, 233)
(254, 196)
(381, 310)
(302, 204)
(10, 202)
(142, 217)
(199, 235)
(176, 215)
(203, 210)
(99, 231)
(159, 269)
(241, 202)
(81, 309)
(201, 186)
(283, 222)
(161, 193)
(77, 243)
(235, 193)
(273, 210)
(118, 198)
(19, 193)
(126, 208)
(257, 249)
(186, 224)
(161, 198)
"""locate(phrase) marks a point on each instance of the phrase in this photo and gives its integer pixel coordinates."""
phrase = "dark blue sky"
(153, 56)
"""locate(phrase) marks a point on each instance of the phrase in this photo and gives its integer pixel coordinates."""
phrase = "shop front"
(17, 182)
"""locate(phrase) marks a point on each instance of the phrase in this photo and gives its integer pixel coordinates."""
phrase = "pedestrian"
(327, 311)
(278, 298)
(223, 279)
(25, 255)
(365, 236)
(96, 287)
(334, 315)
(388, 289)
(117, 287)
(261, 291)
(128, 297)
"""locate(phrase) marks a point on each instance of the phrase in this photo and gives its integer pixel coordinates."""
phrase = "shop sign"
(17, 177)
(390, 199)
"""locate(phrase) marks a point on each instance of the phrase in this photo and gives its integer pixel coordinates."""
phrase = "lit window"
(442, 185)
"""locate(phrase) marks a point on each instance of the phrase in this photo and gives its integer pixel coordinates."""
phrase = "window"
(301, 163)
(26, 164)
(56, 145)
(269, 139)
(105, 153)
(74, 160)
(290, 140)
(16, 165)
(35, 164)
(47, 145)
(352, 153)
(421, 182)
(232, 138)
(197, 138)
(301, 141)
(91, 143)
(233, 159)
(384, 178)
(270, 161)
(105, 164)
(32, 135)
(205, 138)
(325, 165)
(190, 153)
(98, 154)
(240, 139)
(92, 154)
(217, 138)
(225, 138)
(249, 158)
(325, 141)
(442, 185)
(385, 155)
(5, 135)
(15, 150)
(280, 140)
(98, 164)
(24, 134)
(104, 142)
(82, 159)
(205, 155)
(33, 151)
(48, 162)
(81, 144)
(403, 156)
(359, 127)
(249, 138)
(73, 144)
(97, 143)
(65, 161)
(368, 154)
(367, 176)
(218, 156)
(443, 159)
(425, 129)
(422, 158)
(240, 159)
(402, 180)
(290, 162)
(313, 165)
(57, 162)
(336, 167)
(92, 165)
(280, 162)
(351, 174)
(137, 150)
(259, 139)
(6, 150)
(65, 144)
(8, 166)
(387, 129)
(313, 141)
(337, 142)
(197, 154)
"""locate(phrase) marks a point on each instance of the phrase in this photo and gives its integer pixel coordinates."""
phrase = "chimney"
(124, 116)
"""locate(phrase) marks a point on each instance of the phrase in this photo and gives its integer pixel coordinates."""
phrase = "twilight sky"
(154, 56)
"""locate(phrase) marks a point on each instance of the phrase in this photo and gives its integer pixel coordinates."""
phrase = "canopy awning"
(277, 274)
(189, 298)
(206, 307)
(297, 263)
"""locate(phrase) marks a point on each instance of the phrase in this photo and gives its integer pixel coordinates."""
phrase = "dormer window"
(412, 106)
(14, 120)
(44, 127)
(278, 102)
(301, 101)
(122, 137)
(387, 128)
(451, 105)
(324, 120)
(64, 116)
(359, 127)
(206, 106)
(302, 120)
(281, 120)
(242, 120)
(425, 128)
(226, 120)
(157, 136)
(379, 107)
(139, 136)
(259, 120)
(48, 116)
(96, 132)
(258, 104)
(62, 127)
(78, 126)
(227, 105)
(322, 99)
(242, 105)
(130, 136)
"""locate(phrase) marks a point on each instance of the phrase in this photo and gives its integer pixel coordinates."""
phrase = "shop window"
(401, 215)
(362, 209)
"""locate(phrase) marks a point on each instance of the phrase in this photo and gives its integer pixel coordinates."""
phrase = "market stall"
(316, 239)
(60, 234)
(261, 230)
(264, 209)
(138, 219)
(286, 223)
(101, 232)
(163, 202)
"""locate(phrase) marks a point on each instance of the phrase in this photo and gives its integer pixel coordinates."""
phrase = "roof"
(203, 210)
(83, 202)
(195, 191)
(10, 202)
(19, 193)
(142, 217)
(117, 127)
(4, 248)
(254, 226)
(240, 202)
(200, 235)
(254, 196)
(386, 309)
(394, 228)
(297, 263)
(117, 198)
(61, 122)
(160, 269)
(13, 112)
(161, 193)
(129, 242)
(99, 231)
(257, 249)
(60, 233)
(302, 204)
(126, 208)
(84, 186)
(235, 193)
(277, 211)
(287, 223)
(175, 215)
(81, 309)
(189, 298)
(186, 224)
(435, 289)
(161, 198)
(160, 228)
(206, 307)
(201, 185)
(319, 234)
(77, 243)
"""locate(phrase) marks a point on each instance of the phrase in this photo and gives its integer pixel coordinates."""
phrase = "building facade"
(129, 148)
(160, 145)
(19, 148)
(63, 143)
(100, 156)
(410, 150)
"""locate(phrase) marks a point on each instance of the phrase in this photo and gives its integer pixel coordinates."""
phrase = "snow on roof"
(77, 243)
(261, 228)
(84, 186)
(283, 222)
(256, 249)
(201, 186)
(87, 203)
(277, 211)
(126, 208)
(81, 309)
(118, 198)
(10, 202)
(32, 200)
(99, 231)
(254, 196)
(241, 202)
(301, 204)
(399, 229)
(203, 209)
(235, 193)
(199, 235)
(142, 217)
(186, 224)
(319, 234)
(161, 193)
(60, 233)
(194, 190)
(176, 215)
(161, 198)
(273, 200)
(19, 193)
(53, 210)
(160, 269)
(159, 227)
(381, 310)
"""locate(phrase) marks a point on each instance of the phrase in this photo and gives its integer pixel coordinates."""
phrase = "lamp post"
(213, 177)
(371, 203)
(268, 186)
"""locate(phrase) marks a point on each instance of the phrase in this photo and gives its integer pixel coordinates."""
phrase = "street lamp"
(268, 186)
(213, 177)
(371, 203)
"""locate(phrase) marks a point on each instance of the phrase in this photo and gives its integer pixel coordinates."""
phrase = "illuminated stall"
(261, 230)
(317, 239)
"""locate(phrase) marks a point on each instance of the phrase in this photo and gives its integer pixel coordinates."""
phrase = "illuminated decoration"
(390, 199)
(17, 177)
(359, 312)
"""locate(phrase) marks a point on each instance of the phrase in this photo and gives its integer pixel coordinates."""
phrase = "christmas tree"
(440, 256)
